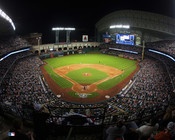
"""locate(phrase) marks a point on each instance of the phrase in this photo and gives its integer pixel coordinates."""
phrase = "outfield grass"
(96, 75)
(108, 60)
(117, 62)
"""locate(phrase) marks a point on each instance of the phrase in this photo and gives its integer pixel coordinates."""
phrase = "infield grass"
(77, 75)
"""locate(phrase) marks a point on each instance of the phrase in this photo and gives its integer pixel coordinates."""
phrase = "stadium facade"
(146, 26)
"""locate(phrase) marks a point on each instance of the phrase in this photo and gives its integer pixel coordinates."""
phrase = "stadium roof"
(138, 19)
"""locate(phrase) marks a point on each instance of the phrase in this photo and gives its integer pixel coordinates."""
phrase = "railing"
(73, 119)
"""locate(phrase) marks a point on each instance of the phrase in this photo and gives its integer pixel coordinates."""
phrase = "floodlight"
(120, 26)
(62, 28)
(57, 29)
(126, 26)
(6, 17)
(70, 29)
(112, 26)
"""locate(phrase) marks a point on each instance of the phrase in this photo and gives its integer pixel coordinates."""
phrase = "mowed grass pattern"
(77, 75)
(117, 62)
(108, 60)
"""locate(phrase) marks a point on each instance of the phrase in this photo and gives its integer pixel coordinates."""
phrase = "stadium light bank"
(63, 29)
(119, 26)
(58, 29)
(6, 17)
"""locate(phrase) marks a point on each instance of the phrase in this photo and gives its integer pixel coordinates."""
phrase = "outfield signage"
(123, 50)
(106, 36)
(85, 38)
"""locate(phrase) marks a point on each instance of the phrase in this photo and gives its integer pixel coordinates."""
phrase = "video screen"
(125, 39)
(107, 38)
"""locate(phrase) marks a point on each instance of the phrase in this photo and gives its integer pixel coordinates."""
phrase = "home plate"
(107, 96)
(58, 95)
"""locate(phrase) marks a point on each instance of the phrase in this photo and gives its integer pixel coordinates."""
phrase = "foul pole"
(143, 50)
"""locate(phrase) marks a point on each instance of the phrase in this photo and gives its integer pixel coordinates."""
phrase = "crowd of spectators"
(148, 95)
(6, 63)
(12, 44)
(167, 46)
(152, 130)
(170, 69)
(167, 62)
(24, 84)
(149, 92)
(24, 87)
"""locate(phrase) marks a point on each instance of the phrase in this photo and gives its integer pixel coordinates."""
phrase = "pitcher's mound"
(87, 74)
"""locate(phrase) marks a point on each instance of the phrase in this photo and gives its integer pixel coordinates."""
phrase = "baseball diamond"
(88, 76)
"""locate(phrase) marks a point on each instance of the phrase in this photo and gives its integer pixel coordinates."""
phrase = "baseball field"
(88, 78)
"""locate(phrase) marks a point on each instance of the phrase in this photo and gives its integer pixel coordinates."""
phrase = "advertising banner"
(85, 38)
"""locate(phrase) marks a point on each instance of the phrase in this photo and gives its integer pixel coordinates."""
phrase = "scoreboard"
(125, 39)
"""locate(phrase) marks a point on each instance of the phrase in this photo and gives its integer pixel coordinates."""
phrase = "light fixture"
(62, 28)
(120, 26)
(6, 17)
